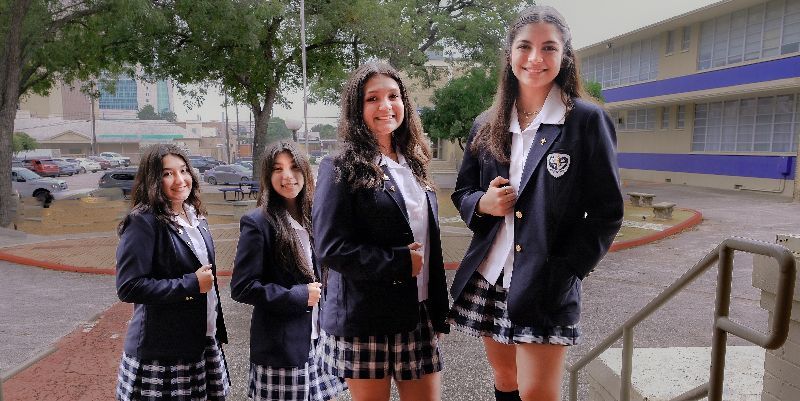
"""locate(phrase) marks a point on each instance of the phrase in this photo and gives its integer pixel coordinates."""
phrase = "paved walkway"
(38, 307)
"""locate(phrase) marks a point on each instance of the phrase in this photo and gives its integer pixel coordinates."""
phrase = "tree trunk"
(261, 116)
(10, 75)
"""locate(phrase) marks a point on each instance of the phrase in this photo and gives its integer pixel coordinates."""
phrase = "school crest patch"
(557, 164)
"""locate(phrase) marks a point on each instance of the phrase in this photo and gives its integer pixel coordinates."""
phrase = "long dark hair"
(288, 251)
(147, 194)
(493, 134)
(355, 164)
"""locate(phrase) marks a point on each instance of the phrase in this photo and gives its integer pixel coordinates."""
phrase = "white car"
(123, 161)
(87, 165)
(28, 183)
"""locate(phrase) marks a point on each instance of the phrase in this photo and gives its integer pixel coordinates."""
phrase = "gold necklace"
(530, 114)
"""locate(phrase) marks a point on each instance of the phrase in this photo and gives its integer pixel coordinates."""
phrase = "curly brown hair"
(147, 194)
(355, 164)
(493, 134)
(287, 249)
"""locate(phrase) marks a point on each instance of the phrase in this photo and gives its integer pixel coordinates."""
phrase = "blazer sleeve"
(247, 282)
(468, 190)
(135, 267)
(602, 197)
(336, 240)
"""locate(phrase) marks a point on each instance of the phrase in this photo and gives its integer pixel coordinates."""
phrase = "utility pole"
(227, 132)
(238, 132)
(94, 120)
(305, 86)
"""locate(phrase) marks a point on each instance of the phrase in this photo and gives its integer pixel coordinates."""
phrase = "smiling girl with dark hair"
(275, 272)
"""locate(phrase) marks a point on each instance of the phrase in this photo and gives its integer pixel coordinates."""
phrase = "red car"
(43, 167)
(104, 163)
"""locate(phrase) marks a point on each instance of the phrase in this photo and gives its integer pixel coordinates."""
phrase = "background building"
(708, 98)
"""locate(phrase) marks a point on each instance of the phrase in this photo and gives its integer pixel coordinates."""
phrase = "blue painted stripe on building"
(774, 167)
(746, 74)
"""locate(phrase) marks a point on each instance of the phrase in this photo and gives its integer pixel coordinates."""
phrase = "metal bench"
(640, 199)
(237, 193)
(663, 210)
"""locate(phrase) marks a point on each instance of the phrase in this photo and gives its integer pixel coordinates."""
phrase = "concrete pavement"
(37, 307)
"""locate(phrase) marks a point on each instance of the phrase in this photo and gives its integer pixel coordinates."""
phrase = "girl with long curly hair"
(165, 267)
(274, 271)
(376, 230)
(539, 188)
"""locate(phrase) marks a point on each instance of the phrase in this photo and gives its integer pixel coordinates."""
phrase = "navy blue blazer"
(362, 236)
(566, 214)
(156, 271)
(280, 328)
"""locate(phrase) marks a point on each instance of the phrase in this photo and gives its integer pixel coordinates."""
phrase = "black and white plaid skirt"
(177, 380)
(309, 383)
(403, 356)
(481, 311)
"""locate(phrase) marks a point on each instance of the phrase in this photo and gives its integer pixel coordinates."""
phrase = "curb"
(696, 218)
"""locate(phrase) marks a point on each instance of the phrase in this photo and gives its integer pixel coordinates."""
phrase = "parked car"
(212, 161)
(228, 174)
(65, 167)
(246, 164)
(43, 167)
(119, 178)
(200, 163)
(105, 164)
(17, 163)
(28, 183)
(122, 160)
(87, 164)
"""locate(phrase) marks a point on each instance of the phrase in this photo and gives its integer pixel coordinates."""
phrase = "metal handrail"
(722, 323)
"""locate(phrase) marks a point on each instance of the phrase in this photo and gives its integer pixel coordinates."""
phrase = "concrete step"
(661, 374)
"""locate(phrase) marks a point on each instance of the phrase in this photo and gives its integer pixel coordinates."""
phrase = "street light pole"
(227, 132)
(303, 47)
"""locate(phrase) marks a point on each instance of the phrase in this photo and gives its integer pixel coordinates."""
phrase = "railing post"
(720, 336)
(573, 385)
(627, 364)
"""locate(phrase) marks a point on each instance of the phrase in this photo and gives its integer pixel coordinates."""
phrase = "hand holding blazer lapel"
(544, 139)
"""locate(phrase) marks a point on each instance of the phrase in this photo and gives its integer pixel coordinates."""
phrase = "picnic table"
(249, 188)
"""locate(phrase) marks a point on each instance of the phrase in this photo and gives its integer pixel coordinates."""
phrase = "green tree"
(23, 142)
(326, 131)
(47, 41)
(169, 116)
(251, 48)
(277, 130)
(595, 90)
(148, 113)
(458, 103)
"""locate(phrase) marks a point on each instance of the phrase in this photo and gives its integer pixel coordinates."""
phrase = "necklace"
(530, 114)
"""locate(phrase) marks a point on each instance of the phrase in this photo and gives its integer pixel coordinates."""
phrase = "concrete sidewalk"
(38, 307)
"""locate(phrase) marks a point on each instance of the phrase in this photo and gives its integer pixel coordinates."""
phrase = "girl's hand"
(205, 277)
(314, 293)
(416, 258)
(499, 198)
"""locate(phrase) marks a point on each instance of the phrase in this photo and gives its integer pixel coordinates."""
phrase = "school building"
(708, 98)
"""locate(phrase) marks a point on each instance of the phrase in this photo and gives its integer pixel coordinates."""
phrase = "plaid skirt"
(403, 356)
(175, 380)
(309, 383)
(481, 311)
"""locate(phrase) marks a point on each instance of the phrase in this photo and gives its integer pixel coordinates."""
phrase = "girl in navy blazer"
(538, 186)
(274, 271)
(376, 229)
(165, 267)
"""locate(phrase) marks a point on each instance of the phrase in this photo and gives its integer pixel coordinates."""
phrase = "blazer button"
(518, 248)
(189, 298)
(518, 214)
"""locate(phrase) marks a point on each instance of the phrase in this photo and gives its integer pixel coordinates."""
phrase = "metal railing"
(722, 323)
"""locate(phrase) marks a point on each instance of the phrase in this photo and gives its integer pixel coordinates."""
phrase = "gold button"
(518, 248)
(518, 214)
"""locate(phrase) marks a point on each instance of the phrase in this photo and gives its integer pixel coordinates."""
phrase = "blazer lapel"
(206, 233)
(433, 206)
(391, 188)
(547, 135)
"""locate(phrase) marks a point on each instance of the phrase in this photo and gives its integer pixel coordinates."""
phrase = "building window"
(665, 118)
(627, 64)
(680, 117)
(123, 97)
(687, 38)
(670, 42)
(436, 148)
(639, 120)
(764, 124)
(761, 31)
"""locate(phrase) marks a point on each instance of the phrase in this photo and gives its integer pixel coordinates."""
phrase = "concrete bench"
(663, 210)
(639, 199)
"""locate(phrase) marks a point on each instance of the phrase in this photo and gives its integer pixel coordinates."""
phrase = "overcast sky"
(591, 21)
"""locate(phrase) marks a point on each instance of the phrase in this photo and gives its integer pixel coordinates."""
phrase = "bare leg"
(426, 388)
(502, 358)
(541, 367)
(370, 389)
